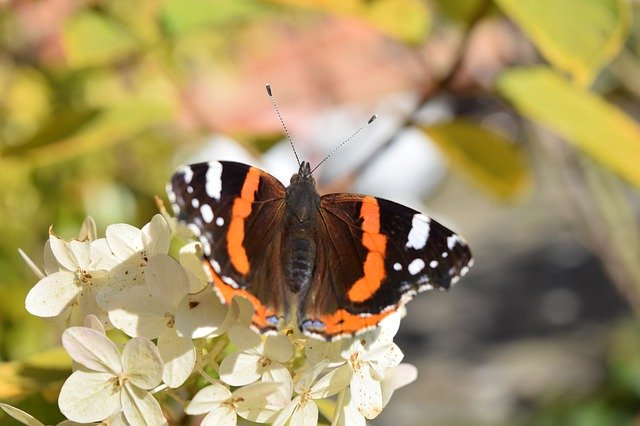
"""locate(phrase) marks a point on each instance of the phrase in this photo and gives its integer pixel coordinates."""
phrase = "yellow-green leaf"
(584, 119)
(110, 127)
(93, 39)
(492, 161)
(405, 20)
(180, 17)
(577, 36)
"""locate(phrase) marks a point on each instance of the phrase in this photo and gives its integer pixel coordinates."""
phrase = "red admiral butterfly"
(340, 262)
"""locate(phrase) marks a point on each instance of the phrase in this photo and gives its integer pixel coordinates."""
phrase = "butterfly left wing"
(373, 256)
(235, 210)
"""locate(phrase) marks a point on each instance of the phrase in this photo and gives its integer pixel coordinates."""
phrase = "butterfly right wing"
(223, 203)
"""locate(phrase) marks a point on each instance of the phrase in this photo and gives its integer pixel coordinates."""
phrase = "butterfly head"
(302, 196)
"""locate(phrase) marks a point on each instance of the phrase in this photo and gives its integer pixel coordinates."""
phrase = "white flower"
(133, 248)
(259, 358)
(368, 357)
(110, 382)
(69, 291)
(223, 406)
(150, 311)
(202, 315)
(190, 258)
(27, 419)
(303, 410)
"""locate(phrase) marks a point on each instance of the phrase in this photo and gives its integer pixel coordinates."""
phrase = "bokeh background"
(515, 122)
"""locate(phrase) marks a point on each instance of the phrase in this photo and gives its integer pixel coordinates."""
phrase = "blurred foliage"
(98, 97)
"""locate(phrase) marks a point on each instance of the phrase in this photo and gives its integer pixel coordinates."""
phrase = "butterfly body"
(340, 262)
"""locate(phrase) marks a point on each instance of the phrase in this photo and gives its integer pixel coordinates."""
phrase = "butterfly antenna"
(373, 117)
(286, 131)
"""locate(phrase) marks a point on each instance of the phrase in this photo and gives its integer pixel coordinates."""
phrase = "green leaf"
(584, 119)
(577, 36)
(93, 39)
(496, 164)
(109, 127)
(405, 20)
(180, 17)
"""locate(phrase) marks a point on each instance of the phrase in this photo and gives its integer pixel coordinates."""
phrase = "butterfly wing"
(224, 203)
(374, 255)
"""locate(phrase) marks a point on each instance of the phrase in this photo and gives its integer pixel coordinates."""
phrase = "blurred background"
(515, 122)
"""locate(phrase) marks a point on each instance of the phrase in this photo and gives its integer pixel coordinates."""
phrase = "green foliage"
(595, 126)
(487, 158)
(577, 36)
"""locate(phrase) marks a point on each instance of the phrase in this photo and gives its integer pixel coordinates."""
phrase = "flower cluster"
(182, 343)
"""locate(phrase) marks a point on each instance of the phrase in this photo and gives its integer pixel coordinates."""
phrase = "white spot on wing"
(219, 221)
(188, 174)
(230, 281)
(397, 266)
(419, 231)
(416, 266)
(207, 213)
(216, 266)
(433, 263)
(453, 240)
(195, 203)
(214, 180)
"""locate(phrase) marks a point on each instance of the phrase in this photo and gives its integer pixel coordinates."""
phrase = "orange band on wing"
(226, 293)
(240, 211)
(344, 323)
(376, 243)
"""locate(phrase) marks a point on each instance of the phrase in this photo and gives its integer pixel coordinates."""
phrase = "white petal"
(278, 373)
(179, 357)
(167, 280)
(142, 363)
(244, 338)
(124, 240)
(92, 349)
(51, 295)
(81, 253)
(63, 253)
(285, 414)
(190, 257)
(201, 315)
(278, 348)
(331, 383)
(126, 274)
(156, 236)
(318, 350)
(349, 414)
(207, 399)
(21, 416)
(117, 419)
(220, 416)
(51, 264)
(92, 321)
(305, 415)
(88, 230)
(101, 255)
(140, 407)
(137, 313)
(36, 270)
(396, 378)
(242, 310)
(383, 357)
(366, 393)
(240, 368)
(254, 401)
(306, 380)
(89, 397)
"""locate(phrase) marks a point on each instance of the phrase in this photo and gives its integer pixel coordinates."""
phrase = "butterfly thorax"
(299, 243)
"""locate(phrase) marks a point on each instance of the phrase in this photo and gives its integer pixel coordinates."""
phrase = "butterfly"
(337, 263)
